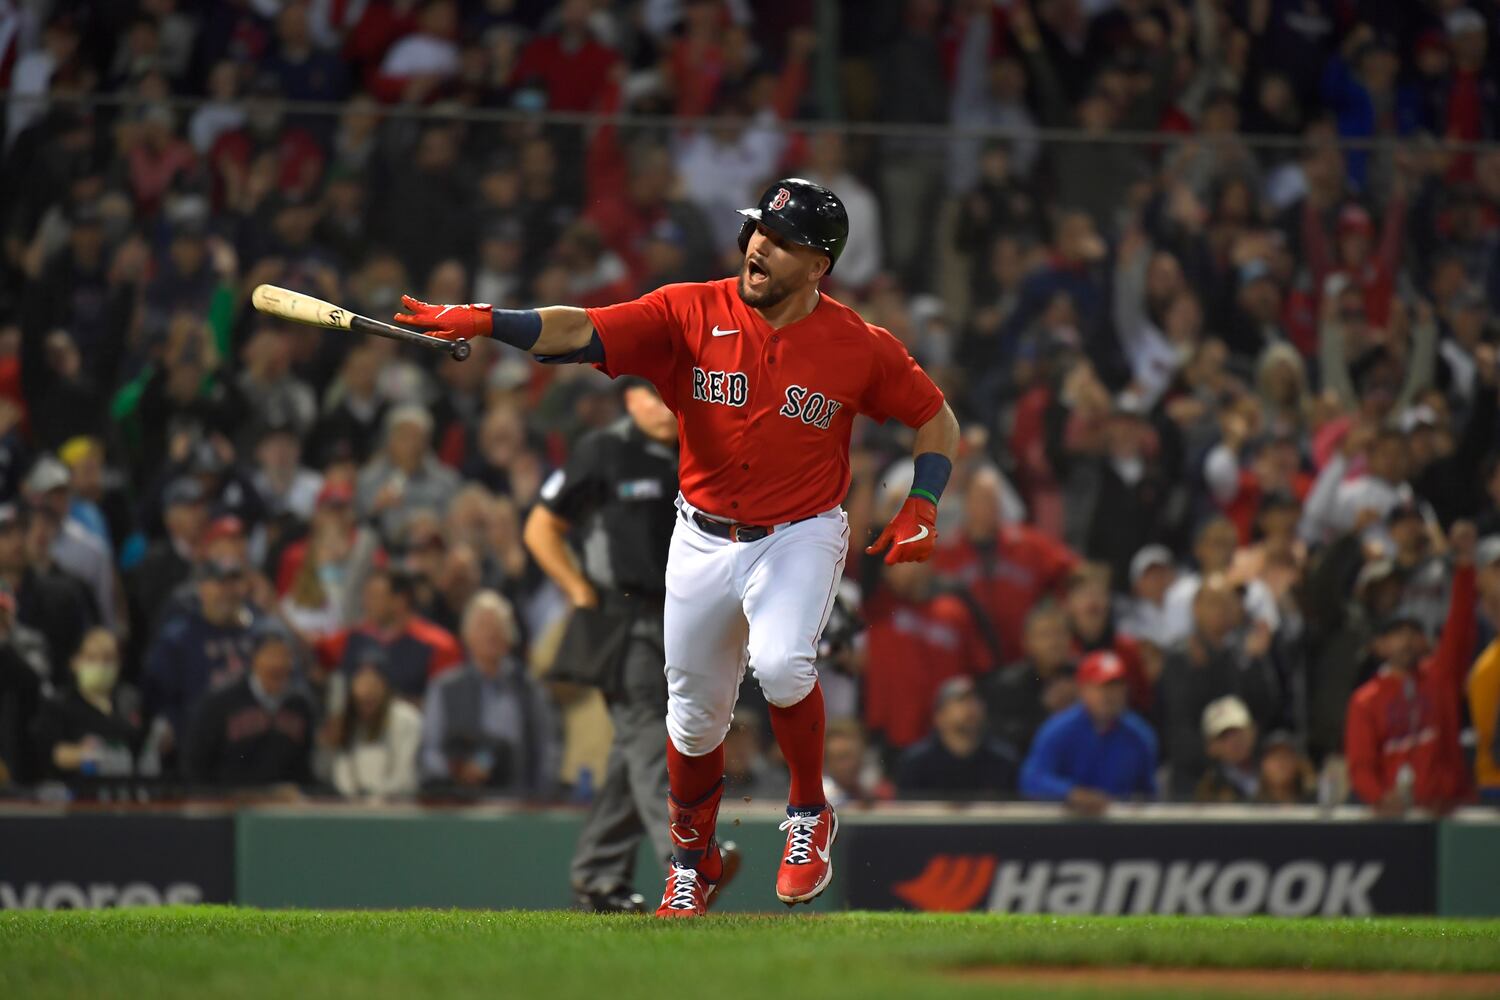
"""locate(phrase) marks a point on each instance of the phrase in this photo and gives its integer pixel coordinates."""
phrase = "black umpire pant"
(631, 801)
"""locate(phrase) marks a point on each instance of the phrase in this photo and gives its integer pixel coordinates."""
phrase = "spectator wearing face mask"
(92, 729)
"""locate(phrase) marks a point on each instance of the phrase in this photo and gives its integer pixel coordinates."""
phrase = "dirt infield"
(1247, 982)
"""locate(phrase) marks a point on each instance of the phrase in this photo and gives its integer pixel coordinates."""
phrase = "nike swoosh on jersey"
(921, 534)
(721, 333)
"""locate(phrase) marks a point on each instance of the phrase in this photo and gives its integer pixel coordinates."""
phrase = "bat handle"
(460, 349)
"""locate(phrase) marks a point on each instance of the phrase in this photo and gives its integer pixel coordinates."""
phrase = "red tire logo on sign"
(782, 197)
(950, 883)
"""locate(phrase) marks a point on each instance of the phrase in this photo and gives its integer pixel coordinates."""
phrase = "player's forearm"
(938, 436)
(553, 334)
(565, 329)
(545, 536)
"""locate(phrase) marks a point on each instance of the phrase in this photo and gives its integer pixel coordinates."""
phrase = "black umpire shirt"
(617, 491)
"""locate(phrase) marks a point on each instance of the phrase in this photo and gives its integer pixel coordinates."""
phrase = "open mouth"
(755, 273)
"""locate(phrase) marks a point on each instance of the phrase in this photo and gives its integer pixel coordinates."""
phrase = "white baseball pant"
(766, 601)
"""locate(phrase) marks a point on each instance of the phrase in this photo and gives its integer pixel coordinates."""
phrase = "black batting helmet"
(804, 213)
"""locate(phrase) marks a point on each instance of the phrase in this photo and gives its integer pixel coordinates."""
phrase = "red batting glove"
(911, 534)
(447, 322)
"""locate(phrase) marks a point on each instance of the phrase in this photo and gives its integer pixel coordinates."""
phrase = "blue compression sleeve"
(930, 472)
(516, 327)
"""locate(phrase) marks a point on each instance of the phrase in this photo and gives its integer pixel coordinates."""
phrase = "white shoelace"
(684, 889)
(799, 852)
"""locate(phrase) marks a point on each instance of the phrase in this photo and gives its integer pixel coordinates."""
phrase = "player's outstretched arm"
(549, 331)
(912, 533)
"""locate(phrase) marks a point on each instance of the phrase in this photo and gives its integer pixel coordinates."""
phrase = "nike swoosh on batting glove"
(911, 534)
(447, 322)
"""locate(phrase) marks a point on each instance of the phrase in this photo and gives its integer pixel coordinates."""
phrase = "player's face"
(774, 268)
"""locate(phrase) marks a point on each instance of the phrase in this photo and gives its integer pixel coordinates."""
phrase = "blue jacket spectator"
(1098, 749)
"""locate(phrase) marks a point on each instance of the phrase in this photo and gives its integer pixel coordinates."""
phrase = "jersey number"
(813, 408)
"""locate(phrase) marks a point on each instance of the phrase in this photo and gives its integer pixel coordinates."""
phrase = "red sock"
(692, 779)
(696, 785)
(799, 733)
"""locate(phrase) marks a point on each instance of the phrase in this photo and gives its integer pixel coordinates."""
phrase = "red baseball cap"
(226, 526)
(1354, 218)
(335, 492)
(1101, 667)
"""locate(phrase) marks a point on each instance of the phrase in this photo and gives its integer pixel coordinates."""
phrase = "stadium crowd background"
(1212, 298)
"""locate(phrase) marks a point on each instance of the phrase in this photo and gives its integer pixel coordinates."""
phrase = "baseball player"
(765, 374)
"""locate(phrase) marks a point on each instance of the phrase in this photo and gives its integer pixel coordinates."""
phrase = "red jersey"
(1009, 578)
(1397, 719)
(764, 414)
(912, 648)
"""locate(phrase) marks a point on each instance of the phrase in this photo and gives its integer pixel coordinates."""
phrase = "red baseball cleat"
(807, 865)
(689, 893)
(686, 894)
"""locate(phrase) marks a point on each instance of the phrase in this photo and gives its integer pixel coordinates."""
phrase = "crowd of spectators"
(1226, 522)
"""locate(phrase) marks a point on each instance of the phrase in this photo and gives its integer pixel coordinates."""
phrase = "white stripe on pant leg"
(704, 637)
(788, 597)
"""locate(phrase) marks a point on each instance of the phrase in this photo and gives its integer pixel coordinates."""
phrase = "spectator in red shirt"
(1356, 259)
(1091, 622)
(415, 650)
(917, 639)
(1401, 734)
(1470, 110)
(155, 155)
(568, 64)
(418, 65)
(1007, 567)
(297, 156)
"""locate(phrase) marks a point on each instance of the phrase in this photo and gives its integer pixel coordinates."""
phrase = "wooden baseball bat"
(286, 304)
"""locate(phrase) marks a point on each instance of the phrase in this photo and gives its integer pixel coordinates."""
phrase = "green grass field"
(206, 953)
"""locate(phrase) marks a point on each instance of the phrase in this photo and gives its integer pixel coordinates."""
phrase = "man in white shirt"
(1214, 550)
(32, 75)
(1337, 501)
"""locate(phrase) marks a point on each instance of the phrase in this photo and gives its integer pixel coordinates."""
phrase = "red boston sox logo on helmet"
(782, 197)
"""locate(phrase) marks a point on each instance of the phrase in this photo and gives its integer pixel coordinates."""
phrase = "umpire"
(601, 532)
